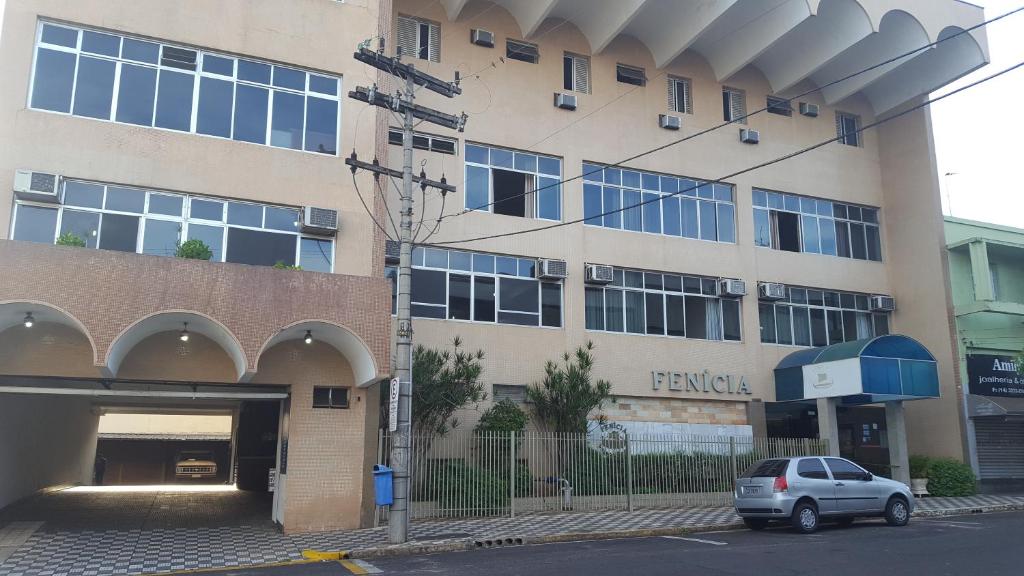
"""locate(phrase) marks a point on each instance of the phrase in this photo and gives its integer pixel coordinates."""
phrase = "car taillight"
(780, 484)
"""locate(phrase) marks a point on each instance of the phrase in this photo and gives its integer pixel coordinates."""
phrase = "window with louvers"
(679, 97)
(848, 129)
(734, 105)
(576, 73)
(420, 38)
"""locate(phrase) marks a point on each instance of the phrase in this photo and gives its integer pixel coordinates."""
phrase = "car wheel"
(897, 513)
(805, 518)
(755, 523)
(844, 522)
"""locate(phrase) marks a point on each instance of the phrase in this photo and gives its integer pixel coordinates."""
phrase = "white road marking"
(370, 568)
(700, 540)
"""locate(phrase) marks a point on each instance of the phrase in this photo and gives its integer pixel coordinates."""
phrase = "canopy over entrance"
(881, 369)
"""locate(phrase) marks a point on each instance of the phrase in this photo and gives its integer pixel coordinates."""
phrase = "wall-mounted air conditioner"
(749, 136)
(882, 303)
(771, 291)
(549, 269)
(482, 38)
(599, 274)
(732, 288)
(809, 110)
(37, 186)
(565, 101)
(670, 122)
(321, 221)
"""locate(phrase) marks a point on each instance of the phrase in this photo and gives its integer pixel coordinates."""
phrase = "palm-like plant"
(562, 403)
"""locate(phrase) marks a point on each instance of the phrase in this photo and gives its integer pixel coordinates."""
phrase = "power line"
(736, 120)
(367, 208)
(746, 170)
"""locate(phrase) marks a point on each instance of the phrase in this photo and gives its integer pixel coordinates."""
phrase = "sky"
(979, 134)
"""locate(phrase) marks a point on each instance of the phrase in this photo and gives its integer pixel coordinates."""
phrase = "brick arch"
(12, 313)
(349, 344)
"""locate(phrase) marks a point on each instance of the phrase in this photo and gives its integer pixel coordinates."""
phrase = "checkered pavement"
(74, 551)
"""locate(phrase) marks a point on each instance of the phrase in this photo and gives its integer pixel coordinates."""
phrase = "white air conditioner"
(771, 291)
(37, 186)
(809, 110)
(321, 221)
(599, 274)
(748, 136)
(549, 269)
(732, 288)
(882, 303)
(565, 101)
(392, 251)
(482, 38)
(669, 122)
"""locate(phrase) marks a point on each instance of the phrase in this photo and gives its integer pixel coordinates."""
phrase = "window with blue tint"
(806, 224)
(512, 183)
(163, 204)
(94, 89)
(286, 128)
(35, 224)
(506, 265)
(726, 223)
(592, 203)
(321, 125)
(669, 204)
(251, 113)
(54, 80)
(136, 94)
(207, 209)
(245, 214)
(161, 237)
(527, 267)
(460, 261)
(315, 254)
(174, 101)
(102, 44)
(216, 100)
(286, 219)
(125, 200)
(157, 82)
(807, 317)
(83, 194)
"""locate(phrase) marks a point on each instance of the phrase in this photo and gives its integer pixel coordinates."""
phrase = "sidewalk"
(135, 551)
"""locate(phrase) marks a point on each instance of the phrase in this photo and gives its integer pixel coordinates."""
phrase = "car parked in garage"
(194, 465)
(805, 490)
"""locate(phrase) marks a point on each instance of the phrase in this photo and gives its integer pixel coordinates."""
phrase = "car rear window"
(766, 469)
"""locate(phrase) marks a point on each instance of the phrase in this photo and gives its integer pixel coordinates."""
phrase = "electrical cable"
(745, 170)
(367, 208)
(743, 118)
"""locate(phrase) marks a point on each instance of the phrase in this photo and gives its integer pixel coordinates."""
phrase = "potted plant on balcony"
(194, 249)
(71, 239)
(919, 467)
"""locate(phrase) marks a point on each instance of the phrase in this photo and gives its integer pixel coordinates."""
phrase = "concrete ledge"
(965, 510)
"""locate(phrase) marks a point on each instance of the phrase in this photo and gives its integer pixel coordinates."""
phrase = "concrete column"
(756, 418)
(983, 289)
(828, 424)
(896, 427)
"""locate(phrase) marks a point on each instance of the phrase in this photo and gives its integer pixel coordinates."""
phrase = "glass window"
(652, 212)
(35, 224)
(103, 44)
(483, 263)
(675, 315)
(594, 308)
(767, 314)
(254, 72)
(672, 223)
(690, 218)
(518, 295)
(614, 311)
(94, 88)
(245, 214)
(174, 100)
(696, 317)
(323, 85)
(655, 313)
(250, 113)
(212, 236)
(216, 101)
(321, 125)
(592, 203)
(119, 232)
(726, 223)
(285, 219)
(858, 241)
(140, 51)
(84, 225)
(612, 204)
(477, 188)
(286, 128)
(218, 65)
(289, 78)
(54, 80)
(207, 210)
(844, 470)
(435, 258)
(165, 204)
(483, 299)
(548, 199)
(136, 94)
(632, 216)
(60, 36)
(125, 199)
(161, 237)
(315, 254)
(731, 319)
(260, 248)
(811, 468)
(783, 325)
(551, 304)
(708, 221)
(459, 299)
(83, 194)
(810, 234)
(635, 317)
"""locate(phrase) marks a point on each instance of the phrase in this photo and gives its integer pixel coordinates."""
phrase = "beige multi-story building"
(134, 127)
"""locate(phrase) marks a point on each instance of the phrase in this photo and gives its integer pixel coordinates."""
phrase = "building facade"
(986, 264)
(134, 127)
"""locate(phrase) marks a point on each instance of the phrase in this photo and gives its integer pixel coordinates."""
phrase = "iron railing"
(487, 475)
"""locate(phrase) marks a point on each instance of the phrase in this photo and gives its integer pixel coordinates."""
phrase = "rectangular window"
(183, 89)
(112, 217)
(680, 98)
(521, 51)
(804, 224)
(734, 105)
(848, 129)
(424, 141)
(576, 73)
(419, 38)
(513, 183)
(818, 318)
(630, 75)
(324, 397)
(780, 106)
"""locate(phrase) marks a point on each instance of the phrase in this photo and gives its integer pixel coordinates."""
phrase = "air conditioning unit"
(37, 186)
(669, 122)
(731, 287)
(392, 251)
(565, 101)
(550, 269)
(809, 110)
(748, 136)
(321, 221)
(482, 38)
(599, 274)
(771, 291)
(882, 303)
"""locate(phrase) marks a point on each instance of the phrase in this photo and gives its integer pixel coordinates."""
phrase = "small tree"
(194, 249)
(503, 417)
(566, 397)
(71, 239)
(444, 382)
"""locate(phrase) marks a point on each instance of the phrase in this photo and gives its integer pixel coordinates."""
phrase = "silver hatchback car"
(804, 490)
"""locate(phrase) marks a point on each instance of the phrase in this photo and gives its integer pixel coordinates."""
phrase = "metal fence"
(482, 475)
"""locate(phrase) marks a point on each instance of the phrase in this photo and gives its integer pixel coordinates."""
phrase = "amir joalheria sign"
(994, 376)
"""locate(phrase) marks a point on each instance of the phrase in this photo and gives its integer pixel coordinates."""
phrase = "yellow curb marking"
(321, 556)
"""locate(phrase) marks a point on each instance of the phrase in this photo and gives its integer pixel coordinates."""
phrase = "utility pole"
(403, 103)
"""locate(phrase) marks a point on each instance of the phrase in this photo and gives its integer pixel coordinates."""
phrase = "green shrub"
(471, 489)
(280, 265)
(947, 477)
(919, 466)
(194, 249)
(71, 239)
(505, 416)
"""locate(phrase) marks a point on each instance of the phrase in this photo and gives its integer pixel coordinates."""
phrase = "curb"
(967, 510)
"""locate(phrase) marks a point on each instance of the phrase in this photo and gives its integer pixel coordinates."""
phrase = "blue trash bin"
(384, 494)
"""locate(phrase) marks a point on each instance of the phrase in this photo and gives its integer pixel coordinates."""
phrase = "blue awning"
(880, 369)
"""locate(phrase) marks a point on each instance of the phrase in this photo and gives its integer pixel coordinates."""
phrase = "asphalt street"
(986, 545)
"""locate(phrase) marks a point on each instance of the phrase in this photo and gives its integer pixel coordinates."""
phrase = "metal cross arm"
(355, 164)
(399, 105)
(395, 67)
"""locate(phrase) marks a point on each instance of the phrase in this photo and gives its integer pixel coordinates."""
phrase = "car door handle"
(840, 484)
